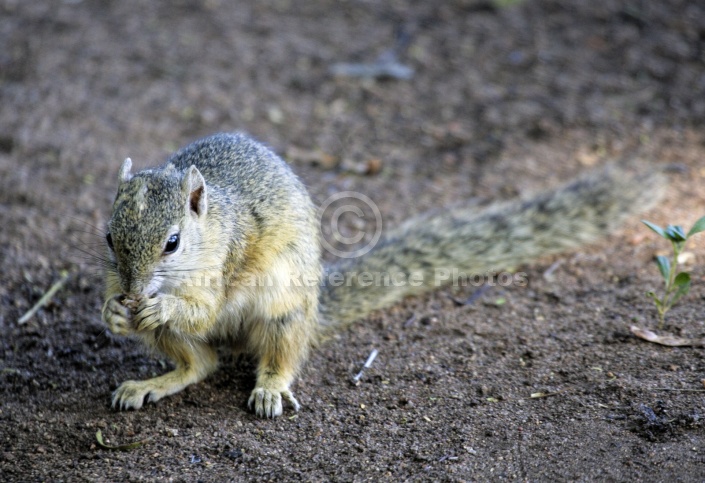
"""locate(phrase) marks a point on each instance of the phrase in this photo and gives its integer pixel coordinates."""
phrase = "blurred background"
(416, 104)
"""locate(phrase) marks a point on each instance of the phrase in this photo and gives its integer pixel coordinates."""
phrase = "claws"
(148, 316)
(117, 317)
(132, 395)
(289, 396)
(267, 403)
(121, 320)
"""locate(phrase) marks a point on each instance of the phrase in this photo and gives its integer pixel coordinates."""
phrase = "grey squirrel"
(187, 239)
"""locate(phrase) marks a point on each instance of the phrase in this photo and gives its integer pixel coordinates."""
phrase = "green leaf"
(697, 227)
(656, 228)
(675, 233)
(682, 281)
(664, 266)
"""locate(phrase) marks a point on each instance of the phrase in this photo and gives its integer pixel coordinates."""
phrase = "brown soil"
(504, 101)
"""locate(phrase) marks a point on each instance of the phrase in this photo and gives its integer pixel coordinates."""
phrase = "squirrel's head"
(155, 215)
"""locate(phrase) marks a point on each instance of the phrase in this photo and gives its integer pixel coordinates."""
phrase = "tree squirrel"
(187, 239)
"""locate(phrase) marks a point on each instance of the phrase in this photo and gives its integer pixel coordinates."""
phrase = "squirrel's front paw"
(267, 403)
(150, 313)
(117, 317)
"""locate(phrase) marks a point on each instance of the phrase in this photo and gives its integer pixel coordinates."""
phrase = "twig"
(447, 457)
(477, 294)
(677, 390)
(473, 297)
(548, 274)
(539, 395)
(45, 298)
(367, 365)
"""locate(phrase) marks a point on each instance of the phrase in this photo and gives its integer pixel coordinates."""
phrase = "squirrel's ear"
(195, 187)
(125, 170)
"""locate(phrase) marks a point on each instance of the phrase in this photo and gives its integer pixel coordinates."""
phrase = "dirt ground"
(505, 100)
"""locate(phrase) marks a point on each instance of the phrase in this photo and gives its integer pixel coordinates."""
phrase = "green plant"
(677, 284)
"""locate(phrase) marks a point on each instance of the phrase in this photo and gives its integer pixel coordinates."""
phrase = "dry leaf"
(119, 447)
(667, 340)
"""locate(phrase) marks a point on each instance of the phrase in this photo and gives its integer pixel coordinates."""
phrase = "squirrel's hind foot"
(267, 403)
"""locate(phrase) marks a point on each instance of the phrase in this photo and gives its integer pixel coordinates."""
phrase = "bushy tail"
(425, 251)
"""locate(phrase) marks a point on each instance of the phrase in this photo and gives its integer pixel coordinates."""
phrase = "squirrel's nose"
(130, 284)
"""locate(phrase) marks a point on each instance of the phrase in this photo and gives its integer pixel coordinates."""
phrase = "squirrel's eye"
(109, 239)
(172, 244)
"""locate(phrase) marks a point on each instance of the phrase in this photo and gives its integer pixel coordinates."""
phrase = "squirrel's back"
(240, 166)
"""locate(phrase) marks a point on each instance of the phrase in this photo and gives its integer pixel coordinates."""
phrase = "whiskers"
(88, 243)
(208, 276)
(196, 267)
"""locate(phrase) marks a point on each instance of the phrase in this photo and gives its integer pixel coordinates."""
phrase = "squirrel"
(188, 240)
